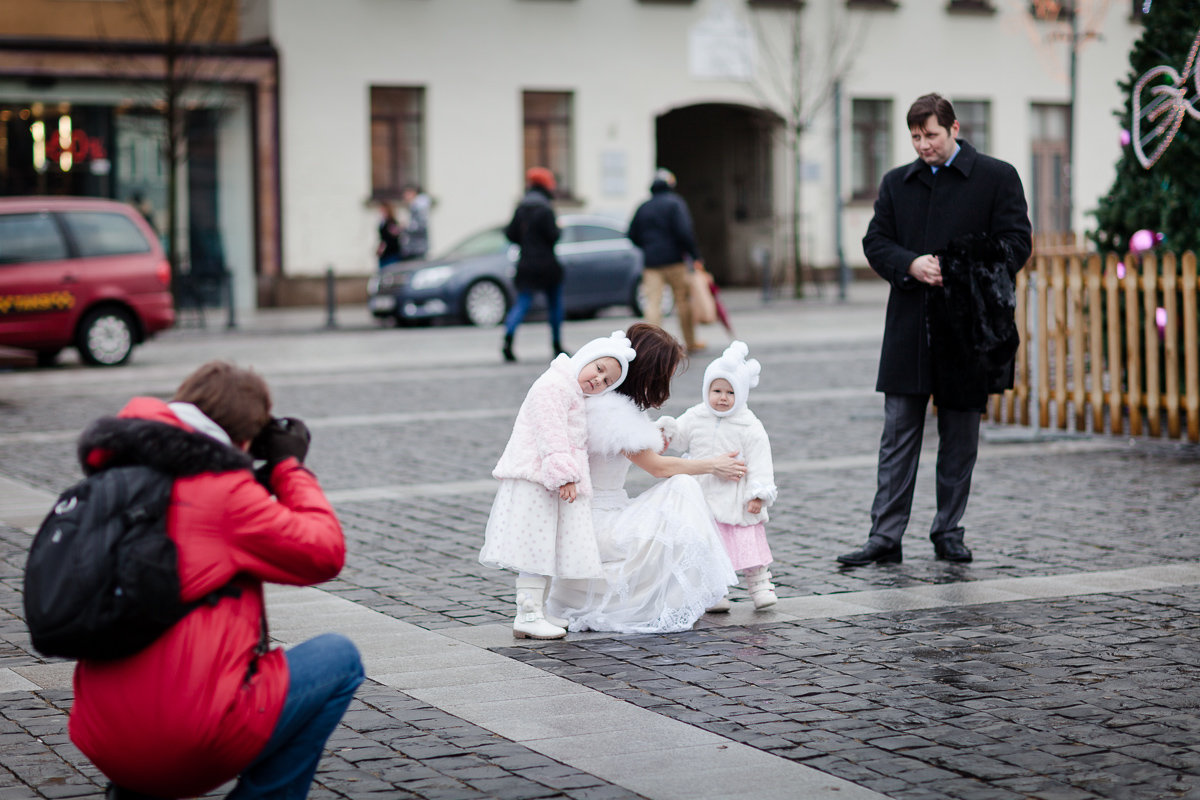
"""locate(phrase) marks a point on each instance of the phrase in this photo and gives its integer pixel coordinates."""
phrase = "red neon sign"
(83, 147)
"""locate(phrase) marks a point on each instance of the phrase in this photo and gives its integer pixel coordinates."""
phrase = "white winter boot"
(553, 620)
(762, 591)
(530, 622)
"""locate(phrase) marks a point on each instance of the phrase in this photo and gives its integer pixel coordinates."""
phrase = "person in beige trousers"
(662, 229)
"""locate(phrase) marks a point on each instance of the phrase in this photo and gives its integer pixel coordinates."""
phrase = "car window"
(103, 233)
(589, 233)
(30, 237)
(492, 240)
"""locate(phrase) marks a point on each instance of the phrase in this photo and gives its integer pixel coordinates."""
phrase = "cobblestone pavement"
(1064, 696)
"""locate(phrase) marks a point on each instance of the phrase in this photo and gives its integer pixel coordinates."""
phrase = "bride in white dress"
(662, 556)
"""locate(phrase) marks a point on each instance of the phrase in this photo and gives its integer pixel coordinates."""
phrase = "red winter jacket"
(181, 717)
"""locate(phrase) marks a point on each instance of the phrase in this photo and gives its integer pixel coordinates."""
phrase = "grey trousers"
(899, 453)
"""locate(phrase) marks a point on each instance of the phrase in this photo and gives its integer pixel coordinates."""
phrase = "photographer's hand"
(280, 439)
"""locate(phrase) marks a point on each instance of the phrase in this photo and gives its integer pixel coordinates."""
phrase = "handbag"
(704, 307)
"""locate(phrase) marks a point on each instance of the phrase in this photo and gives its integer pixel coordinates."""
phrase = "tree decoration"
(1164, 108)
(1165, 198)
(1142, 240)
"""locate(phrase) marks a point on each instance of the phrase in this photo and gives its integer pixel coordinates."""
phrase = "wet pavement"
(1061, 664)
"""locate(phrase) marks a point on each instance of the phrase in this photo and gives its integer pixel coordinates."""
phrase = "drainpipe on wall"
(838, 204)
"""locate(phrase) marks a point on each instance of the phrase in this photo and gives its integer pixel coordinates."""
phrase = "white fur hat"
(615, 346)
(741, 372)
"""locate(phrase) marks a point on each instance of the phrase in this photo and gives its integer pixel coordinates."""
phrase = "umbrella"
(722, 313)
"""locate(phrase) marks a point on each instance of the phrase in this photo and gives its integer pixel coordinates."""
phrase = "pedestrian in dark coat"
(949, 193)
(534, 228)
(662, 229)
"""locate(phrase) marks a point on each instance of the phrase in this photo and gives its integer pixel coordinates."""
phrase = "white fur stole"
(616, 425)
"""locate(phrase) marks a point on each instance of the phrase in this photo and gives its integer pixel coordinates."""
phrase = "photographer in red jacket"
(209, 701)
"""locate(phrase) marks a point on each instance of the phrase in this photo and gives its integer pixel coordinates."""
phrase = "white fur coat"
(548, 444)
(703, 434)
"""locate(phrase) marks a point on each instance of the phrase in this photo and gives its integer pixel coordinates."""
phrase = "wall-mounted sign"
(721, 46)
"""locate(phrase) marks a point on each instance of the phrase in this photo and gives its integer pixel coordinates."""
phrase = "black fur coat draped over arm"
(972, 322)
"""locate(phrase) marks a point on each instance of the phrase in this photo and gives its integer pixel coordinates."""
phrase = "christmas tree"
(1165, 197)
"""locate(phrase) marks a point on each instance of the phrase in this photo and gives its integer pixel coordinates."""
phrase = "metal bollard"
(762, 256)
(330, 299)
(231, 319)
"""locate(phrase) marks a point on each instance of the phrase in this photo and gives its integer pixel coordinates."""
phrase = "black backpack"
(102, 577)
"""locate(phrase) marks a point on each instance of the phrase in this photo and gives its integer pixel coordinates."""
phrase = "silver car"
(473, 282)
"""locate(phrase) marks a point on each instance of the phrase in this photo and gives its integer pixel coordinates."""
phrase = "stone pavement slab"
(1059, 664)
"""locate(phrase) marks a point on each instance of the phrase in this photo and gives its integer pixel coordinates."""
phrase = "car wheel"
(485, 304)
(106, 337)
(638, 302)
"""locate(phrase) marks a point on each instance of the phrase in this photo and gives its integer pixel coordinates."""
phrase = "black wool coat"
(919, 212)
(535, 230)
(973, 333)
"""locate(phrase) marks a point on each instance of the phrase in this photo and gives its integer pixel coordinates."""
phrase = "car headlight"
(431, 277)
(386, 281)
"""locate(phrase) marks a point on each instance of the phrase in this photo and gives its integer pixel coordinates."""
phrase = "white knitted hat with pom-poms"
(617, 346)
(741, 372)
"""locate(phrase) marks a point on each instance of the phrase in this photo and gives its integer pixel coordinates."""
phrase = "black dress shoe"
(951, 548)
(879, 550)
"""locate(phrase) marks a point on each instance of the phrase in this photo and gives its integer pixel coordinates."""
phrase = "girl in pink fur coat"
(540, 525)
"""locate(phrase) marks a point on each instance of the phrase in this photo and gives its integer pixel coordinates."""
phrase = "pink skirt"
(746, 545)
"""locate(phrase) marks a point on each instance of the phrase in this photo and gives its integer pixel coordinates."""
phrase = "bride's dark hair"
(659, 357)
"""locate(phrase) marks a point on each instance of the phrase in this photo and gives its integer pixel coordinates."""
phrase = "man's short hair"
(236, 399)
(930, 104)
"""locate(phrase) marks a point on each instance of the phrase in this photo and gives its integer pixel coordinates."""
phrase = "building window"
(397, 143)
(884, 5)
(870, 146)
(548, 136)
(974, 118)
(1052, 10)
(971, 7)
(1050, 125)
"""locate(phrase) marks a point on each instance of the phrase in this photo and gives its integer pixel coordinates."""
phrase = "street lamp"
(1067, 10)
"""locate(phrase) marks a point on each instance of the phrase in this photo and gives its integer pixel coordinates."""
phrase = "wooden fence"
(1113, 343)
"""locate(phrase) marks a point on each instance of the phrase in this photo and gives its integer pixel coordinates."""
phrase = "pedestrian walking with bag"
(662, 228)
(208, 700)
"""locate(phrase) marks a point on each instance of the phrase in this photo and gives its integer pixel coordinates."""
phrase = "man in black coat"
(662, 229)
(950, 193)
(534, 228)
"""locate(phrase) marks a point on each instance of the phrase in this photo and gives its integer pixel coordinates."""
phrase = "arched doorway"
(723, 158)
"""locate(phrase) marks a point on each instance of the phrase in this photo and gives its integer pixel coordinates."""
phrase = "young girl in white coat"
(540, 525)
(723, 423)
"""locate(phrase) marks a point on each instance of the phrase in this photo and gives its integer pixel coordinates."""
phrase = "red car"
(80, 272)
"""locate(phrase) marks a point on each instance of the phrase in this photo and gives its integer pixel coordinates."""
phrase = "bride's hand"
(728, 467)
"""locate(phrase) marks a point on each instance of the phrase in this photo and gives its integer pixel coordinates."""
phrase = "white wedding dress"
(662, 556)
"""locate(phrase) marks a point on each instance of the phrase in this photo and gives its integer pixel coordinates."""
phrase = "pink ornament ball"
(1141, 241)
(1120, 270)
(1125, 137)
(1160, 317)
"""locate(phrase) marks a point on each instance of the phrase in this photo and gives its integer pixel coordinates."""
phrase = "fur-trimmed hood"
(147, 433)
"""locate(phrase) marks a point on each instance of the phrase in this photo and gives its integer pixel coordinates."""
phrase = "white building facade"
(460, 96)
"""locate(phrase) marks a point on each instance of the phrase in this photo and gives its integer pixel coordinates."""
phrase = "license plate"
(382, 302)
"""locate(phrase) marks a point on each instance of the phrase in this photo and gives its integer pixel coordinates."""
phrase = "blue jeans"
(525, 299)
(323, 674)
